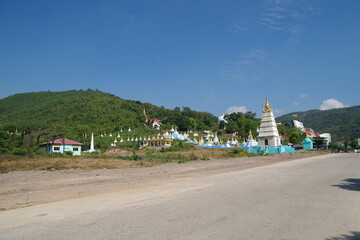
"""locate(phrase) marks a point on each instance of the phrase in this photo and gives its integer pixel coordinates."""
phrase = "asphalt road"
(312, 198)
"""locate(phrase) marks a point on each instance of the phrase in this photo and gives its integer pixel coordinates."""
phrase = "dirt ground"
(22, 189)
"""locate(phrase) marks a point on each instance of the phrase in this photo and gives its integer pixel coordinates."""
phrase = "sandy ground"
(22, 189)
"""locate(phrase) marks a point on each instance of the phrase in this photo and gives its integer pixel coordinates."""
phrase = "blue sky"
(215, 55)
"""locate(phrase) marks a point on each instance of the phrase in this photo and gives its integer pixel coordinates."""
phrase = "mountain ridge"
(342, 123)
(77, 112)
(90, 110)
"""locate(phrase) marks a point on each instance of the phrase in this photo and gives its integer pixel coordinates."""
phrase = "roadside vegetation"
(130, 158)
(78, 114)
(15, 157)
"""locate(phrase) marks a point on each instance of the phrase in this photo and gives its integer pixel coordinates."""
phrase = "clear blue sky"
(208, 55)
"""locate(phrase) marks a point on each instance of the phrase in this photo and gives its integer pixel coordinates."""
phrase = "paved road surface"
(313, 198)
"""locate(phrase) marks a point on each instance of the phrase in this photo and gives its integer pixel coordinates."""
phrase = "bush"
(183, 160)
(134, 157)
(236, 152)
(205, 158)
(69, 153)
(41, 151)
(19, 151)
(177, 146)
(192, 157)
(130, 145)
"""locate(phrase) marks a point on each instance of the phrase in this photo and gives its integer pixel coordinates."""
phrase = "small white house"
(62, 145)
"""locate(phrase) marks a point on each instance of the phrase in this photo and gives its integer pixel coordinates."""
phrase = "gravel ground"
(22, 189)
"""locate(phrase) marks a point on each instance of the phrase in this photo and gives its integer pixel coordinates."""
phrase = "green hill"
(79, 112)
(341, 122)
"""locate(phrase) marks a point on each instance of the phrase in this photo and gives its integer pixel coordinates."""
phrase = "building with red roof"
(312, 133)
(62, 145)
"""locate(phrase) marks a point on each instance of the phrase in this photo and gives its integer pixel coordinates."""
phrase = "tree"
(354, 144)
(319, 141)
(295, 138)
(193, 124)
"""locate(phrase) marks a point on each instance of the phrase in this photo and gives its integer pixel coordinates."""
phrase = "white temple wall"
(271, 142)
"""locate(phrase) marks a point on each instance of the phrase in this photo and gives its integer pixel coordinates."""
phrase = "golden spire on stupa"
(267, 107)
(250, 135)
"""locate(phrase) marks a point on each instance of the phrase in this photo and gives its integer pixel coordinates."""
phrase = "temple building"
(268, 133)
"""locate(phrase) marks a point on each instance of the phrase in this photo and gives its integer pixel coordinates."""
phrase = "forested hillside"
(79, 112)
(341, 122)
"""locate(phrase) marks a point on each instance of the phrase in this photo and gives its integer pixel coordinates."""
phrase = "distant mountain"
(77, 112)
(340, 122)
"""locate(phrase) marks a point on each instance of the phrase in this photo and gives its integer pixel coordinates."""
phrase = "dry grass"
(10, 163)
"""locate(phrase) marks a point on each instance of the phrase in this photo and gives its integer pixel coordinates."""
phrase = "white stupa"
(216, 139)
(251, 142)
(268, 133)
(92, 149)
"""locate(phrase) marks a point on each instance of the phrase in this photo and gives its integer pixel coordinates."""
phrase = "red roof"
(312, 133)
(62, 141)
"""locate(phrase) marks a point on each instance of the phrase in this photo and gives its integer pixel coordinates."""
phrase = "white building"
(62, 145)
(327, 137)
(299, 125)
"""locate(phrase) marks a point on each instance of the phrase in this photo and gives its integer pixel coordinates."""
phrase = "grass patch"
(236, 152)
(117, 159)
(9, 163)
(179, 146)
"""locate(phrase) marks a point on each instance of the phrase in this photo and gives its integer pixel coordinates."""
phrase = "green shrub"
(134, 157)
(192, 157)
(19, 151)
(236, 152)
(182, 160)
(205, 158)
(178, 145)
(41, 151)
(68, 153)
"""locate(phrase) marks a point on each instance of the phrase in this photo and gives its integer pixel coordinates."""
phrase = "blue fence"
(279, 149)
(257, 150)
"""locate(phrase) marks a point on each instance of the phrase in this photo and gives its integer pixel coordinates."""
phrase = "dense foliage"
(79, 113)
(241, 123)
(82, 112)
(342, 123)
(291, 134)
